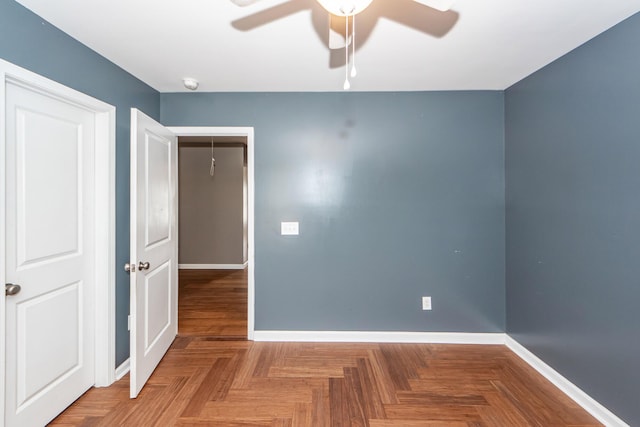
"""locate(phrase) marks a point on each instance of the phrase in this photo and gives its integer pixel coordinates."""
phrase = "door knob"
(11, 289)
(143, 266)
(130, 268)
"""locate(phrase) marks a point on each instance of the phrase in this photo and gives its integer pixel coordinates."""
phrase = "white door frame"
(248, 133)
(104, 215)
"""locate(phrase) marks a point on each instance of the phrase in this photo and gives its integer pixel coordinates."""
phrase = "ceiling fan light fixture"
(344, 7)
(348, 9)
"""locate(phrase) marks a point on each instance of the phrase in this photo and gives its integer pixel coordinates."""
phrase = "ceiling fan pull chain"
(347, 85)
(353, 43)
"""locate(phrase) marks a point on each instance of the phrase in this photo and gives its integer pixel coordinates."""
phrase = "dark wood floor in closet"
(213, 303)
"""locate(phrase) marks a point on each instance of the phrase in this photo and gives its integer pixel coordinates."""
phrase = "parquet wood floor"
(203, 382)
(206, 381)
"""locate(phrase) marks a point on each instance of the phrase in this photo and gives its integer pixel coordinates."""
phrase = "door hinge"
(129, 323)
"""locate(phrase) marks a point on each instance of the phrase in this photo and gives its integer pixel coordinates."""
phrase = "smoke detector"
(191, 84)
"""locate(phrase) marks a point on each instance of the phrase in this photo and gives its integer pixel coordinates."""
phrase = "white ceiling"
(280, 45)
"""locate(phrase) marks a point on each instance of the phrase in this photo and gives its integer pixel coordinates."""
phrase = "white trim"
(105, 253)
(3, 239)
(105, 140)
(589, 404)
(213, 266)
(381, 337)
(123, 369)
(249, 134)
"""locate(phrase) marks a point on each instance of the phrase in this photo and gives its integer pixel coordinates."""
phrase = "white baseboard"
(122, 370)
(382, 337)
(213, 266)
(589, 404)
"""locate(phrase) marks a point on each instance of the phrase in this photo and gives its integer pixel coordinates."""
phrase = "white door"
(154, 245)
(50, 241)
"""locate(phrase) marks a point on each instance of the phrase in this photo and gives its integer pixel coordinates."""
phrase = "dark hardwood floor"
(208, 381)
(213, 303)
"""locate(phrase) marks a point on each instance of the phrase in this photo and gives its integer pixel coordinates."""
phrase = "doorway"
(154, 225)
(217, 294)
(212, 176)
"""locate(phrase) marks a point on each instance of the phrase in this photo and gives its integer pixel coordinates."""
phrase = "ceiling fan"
(353, 7)
(341, 14)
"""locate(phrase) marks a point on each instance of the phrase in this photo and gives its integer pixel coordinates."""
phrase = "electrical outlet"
(426, 303)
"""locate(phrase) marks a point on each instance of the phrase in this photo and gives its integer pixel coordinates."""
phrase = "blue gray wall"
(398, 195)
(32, 43)
(573, 216)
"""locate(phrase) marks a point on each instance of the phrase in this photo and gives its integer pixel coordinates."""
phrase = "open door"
(154, 246)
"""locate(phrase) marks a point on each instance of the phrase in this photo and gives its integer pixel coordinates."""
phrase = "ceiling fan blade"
(336, 32)
(274, 13)
(243, 3)
(441, 5)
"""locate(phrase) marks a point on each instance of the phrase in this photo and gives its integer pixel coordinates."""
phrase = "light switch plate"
(426, 303)
(289, 228)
